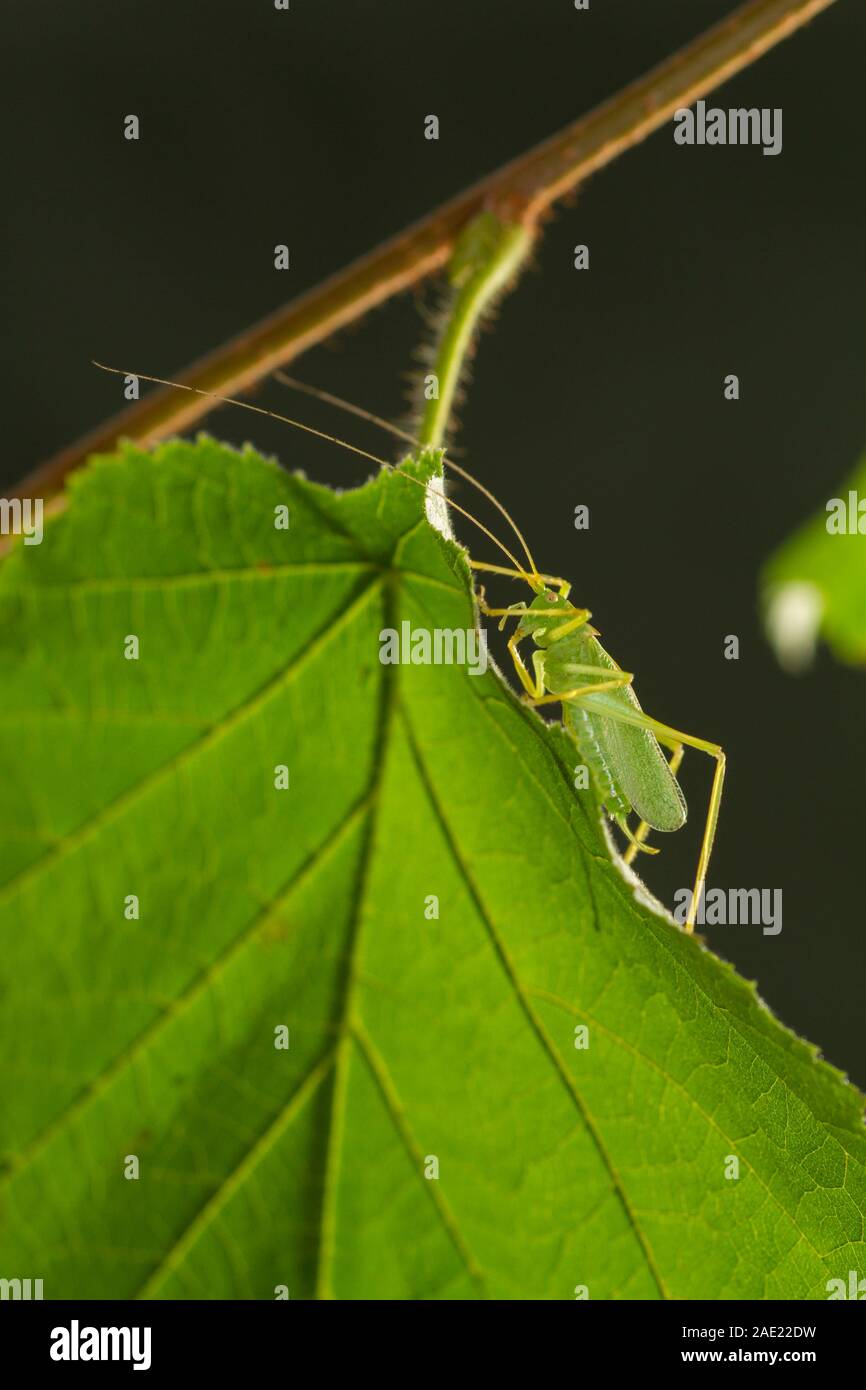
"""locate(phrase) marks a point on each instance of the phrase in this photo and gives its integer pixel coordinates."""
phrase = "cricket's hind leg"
(671, 738)
(635, 845)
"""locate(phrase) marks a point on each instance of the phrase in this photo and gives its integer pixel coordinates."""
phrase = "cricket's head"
(548, 603)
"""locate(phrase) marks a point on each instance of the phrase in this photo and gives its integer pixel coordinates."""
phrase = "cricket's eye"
(551, 597)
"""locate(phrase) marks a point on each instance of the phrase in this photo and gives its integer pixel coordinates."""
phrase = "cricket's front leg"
(532, 689)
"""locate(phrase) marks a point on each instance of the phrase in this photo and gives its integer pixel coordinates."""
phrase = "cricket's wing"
(632, 755)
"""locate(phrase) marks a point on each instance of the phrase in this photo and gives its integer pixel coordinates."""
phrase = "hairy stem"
(522, 191)
(485, 262)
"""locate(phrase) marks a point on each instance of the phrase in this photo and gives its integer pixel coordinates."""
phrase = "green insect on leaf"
(501, 1071)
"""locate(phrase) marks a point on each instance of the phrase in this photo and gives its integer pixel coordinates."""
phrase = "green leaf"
(414, 1040)
(816, 584)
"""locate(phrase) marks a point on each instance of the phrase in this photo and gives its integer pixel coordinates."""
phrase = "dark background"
(604, 387)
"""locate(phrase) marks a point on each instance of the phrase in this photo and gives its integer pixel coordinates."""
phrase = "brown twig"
(523, 191)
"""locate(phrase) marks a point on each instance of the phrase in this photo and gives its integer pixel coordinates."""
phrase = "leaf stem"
(521, 191)
(485, 262)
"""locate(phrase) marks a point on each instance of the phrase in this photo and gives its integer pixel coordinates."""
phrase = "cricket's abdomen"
(625, 761)
(581, 725)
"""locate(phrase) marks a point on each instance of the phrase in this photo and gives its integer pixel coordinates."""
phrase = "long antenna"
(331, 438)
(399, 433)
(318, 394)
